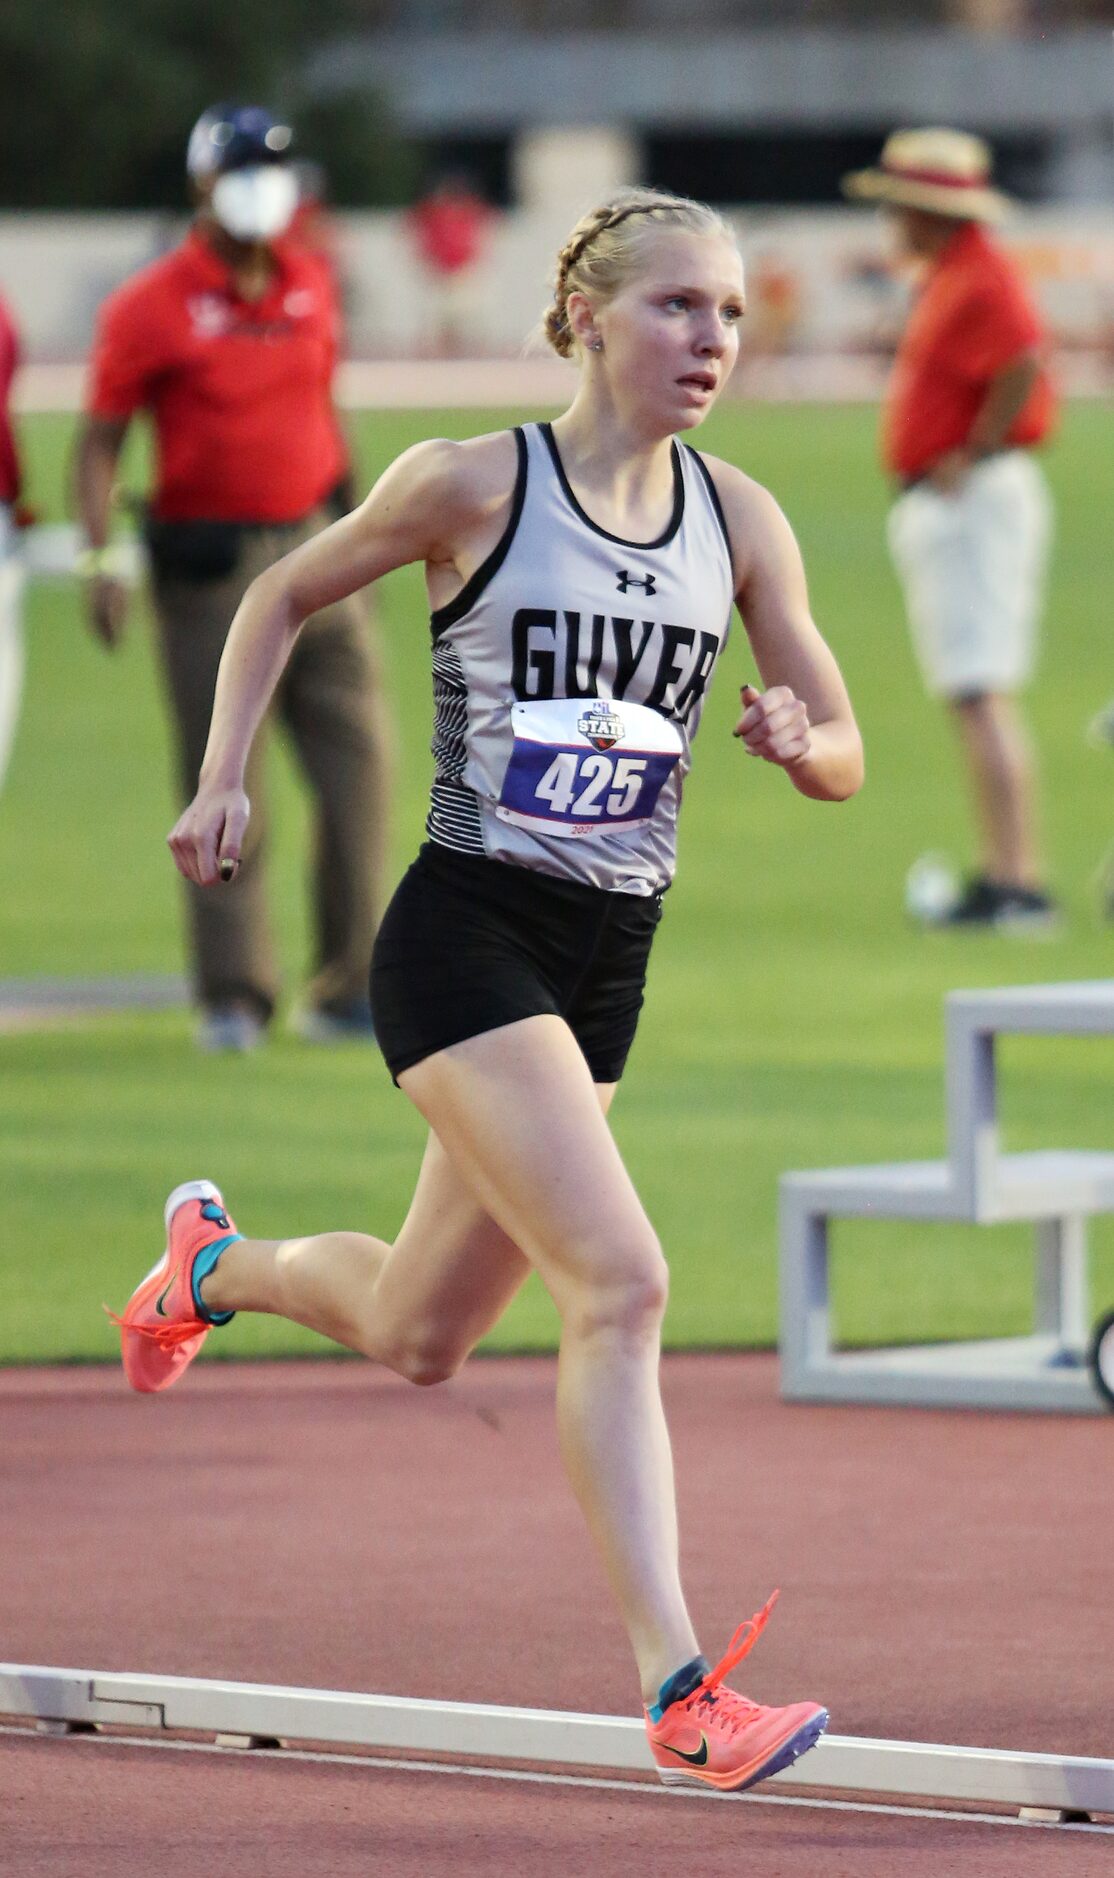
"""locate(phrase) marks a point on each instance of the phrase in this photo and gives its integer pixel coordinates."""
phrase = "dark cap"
(236, 137)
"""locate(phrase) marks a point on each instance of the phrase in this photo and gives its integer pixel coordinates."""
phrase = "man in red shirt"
(229, 343)
(968, 403)
(11, 573)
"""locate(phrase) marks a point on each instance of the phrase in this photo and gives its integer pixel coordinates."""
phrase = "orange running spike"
(715, 1737)
(160, 1330)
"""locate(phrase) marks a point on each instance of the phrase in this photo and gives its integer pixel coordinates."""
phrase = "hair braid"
(557, 327)
(591, 262)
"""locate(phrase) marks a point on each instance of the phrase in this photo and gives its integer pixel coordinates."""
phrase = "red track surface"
(945, 1578)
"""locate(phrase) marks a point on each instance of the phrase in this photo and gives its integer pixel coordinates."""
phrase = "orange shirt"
(973, 317)
(239, 391)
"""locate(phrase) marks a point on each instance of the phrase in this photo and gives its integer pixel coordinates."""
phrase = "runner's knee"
(424, 1359)
(628, 1293)
(425, 1369)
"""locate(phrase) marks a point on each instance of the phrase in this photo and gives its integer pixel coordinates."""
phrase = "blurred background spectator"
(229, 344)
(969, 403)
(449, 227)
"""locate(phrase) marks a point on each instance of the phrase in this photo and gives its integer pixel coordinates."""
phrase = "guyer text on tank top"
(559, 653)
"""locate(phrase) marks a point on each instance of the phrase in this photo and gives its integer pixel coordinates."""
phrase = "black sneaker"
(977, 905)
(1011, 909)
(1025, 910)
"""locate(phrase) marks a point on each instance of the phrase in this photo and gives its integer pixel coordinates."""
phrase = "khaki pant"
(972, 566)
(329, 702)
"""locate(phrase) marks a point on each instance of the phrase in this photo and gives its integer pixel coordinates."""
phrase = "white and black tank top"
(569, 677)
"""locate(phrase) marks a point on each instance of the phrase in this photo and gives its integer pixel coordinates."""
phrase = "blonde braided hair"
(600, 253)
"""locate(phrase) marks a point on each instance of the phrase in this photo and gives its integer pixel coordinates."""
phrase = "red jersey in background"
(973, 316)
(240, 391)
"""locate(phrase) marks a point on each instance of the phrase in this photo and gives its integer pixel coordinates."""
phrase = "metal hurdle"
(1057, 1190)
(1049, 1786)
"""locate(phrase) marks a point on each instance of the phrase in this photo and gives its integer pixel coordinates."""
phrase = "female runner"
(581, 577)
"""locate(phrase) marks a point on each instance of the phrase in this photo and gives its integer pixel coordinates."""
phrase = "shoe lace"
(732, 1710)
(167, 1336)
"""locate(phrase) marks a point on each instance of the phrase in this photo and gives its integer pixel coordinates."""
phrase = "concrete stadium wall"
(817, 282)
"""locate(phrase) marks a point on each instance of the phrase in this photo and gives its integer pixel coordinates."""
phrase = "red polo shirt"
(239, 391)
(973, 317)
(9, 359)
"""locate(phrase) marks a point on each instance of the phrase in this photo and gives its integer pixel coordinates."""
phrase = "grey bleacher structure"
(1057, 1189)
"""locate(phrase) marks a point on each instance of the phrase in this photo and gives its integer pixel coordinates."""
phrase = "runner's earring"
(597, 345)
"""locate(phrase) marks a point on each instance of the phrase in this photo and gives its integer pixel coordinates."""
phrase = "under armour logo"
(635, 580)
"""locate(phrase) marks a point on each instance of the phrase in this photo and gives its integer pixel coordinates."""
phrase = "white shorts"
(972, 567)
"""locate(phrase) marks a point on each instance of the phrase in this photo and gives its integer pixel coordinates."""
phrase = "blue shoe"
(229, 1029)
(334, 1023)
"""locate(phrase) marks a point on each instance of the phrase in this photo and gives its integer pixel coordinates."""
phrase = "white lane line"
(593, 1783)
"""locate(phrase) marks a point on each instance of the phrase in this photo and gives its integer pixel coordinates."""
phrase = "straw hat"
(946, 172)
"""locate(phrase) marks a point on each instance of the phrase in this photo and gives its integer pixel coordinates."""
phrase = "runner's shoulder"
(733, 485)
(465, 479)
(749, 509)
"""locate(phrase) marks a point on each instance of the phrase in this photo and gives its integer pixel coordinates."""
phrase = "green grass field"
(794, 1017)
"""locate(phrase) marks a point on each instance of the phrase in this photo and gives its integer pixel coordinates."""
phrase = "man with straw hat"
(968, 402)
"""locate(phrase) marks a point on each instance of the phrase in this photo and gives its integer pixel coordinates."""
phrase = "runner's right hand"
(207, 839)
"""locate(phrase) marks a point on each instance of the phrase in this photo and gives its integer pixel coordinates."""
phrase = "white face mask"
(255, 204)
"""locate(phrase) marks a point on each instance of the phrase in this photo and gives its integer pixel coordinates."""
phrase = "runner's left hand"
(773, 725)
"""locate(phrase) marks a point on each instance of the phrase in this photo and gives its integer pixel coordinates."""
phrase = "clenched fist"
(207, 839)
(773, 725)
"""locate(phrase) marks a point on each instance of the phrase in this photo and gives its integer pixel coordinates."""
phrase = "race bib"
(581, 764)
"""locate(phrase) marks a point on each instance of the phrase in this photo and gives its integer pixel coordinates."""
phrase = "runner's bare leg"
(418, 1306)
(522, 1171)
(516, 1111)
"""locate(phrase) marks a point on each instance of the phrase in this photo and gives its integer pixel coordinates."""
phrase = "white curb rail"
(915, 1771)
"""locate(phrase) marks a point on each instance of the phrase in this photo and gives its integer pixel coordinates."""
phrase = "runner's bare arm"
(429, 501)
(802, 719)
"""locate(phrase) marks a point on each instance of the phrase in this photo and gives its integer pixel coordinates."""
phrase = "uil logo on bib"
(601, 725)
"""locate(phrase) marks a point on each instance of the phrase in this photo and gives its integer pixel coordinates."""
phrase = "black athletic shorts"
(469, 944)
